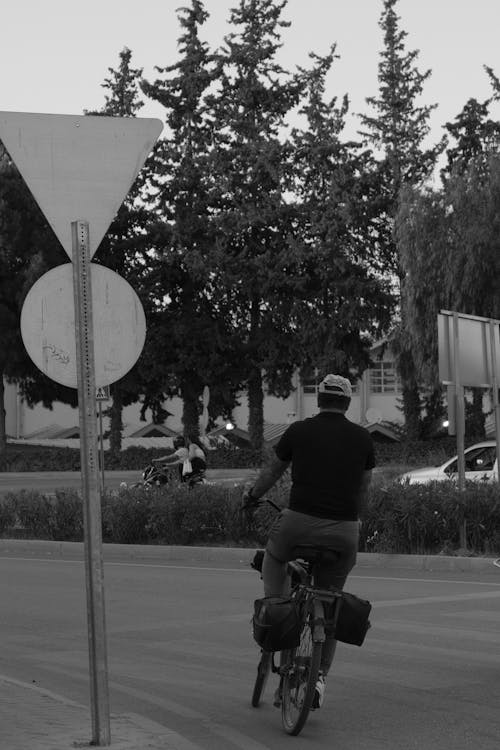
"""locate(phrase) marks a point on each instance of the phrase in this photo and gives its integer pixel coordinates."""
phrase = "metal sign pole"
(459, 408)
(494, 387)
(101, 443)
(99, 692)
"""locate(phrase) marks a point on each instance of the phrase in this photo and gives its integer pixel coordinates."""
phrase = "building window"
(384, 378)
(309, 385)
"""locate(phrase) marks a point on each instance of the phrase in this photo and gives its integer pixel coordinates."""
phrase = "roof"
(50, 431)
(142, 442)
(149, 430)
(382, 429)
(271, 432)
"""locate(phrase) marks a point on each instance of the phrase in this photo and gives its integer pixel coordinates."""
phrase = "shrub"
(7, 513)
(416, 453)
(37, 458)
(400, 518)
(34, 458)
(125, 516)
(34, 513)
(432, 518)
(68, 516)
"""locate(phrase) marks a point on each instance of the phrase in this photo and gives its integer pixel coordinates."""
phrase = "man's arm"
(170, 458)
(268, 476)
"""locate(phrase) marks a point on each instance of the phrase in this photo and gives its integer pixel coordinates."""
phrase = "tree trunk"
(191, 394)
(256, 409)
(3, 434)
(412, 409)
(412, 404)
(116, 424)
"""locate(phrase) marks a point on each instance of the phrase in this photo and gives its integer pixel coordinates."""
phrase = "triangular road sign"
(79, 168)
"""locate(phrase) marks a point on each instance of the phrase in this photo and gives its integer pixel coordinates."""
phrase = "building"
(375, 402)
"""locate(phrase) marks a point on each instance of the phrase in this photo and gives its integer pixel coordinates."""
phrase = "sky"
(55, 54)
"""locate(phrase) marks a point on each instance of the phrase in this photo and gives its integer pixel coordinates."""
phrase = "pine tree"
(253, 220)
(474, 134)
(342, 299)
(398, 128)
(126, 244)
(192, 332)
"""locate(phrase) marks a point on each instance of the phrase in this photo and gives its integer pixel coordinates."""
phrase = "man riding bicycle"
(331, 461)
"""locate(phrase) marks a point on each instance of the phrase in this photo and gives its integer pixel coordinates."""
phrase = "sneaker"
(319, 693)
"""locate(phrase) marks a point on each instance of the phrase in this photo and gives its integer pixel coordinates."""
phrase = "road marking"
(244, 570)
(436, 599)
(238, 739)
(422, 580)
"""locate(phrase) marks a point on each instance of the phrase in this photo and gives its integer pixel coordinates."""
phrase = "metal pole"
(101, 439)
(99, 692)
(494, 387)
(459, 408)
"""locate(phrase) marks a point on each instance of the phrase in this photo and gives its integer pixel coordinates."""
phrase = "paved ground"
(37, 719)
(181, 659)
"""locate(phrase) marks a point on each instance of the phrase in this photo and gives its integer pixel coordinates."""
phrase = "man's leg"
(275, 577)
(276, 583)
(344, 539)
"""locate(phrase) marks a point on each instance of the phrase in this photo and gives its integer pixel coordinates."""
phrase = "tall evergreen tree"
(253, 220)
(342, 298)
(398, 128)
(125, 246)
(474, 134)
(192, 330)
(450, 251)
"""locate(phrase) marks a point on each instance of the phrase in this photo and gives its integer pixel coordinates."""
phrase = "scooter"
(155, 475)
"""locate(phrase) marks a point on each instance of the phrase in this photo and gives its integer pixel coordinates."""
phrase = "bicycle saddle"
(315, 554)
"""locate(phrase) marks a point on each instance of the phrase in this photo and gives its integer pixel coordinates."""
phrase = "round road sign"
(48, 325)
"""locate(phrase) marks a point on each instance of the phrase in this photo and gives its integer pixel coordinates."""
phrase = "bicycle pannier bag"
(276, 623)
(353, 623)
(258, 560)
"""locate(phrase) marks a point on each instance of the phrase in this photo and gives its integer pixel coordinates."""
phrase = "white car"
(481, 464)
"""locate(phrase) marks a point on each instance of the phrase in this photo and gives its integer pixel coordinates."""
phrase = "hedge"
(427, 519)
(68, 459)
(34, 458)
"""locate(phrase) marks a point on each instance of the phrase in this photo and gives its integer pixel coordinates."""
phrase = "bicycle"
(299, 667)
(318, 611)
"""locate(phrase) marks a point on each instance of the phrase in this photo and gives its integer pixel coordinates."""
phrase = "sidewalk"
(36, 719)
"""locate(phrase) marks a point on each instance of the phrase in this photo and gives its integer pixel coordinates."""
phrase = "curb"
(230, 555)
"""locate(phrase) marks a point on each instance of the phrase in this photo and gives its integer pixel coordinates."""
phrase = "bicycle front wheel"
(299, 681)
(263, 669)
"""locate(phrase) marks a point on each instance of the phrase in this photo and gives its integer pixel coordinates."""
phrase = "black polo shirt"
(329, 455)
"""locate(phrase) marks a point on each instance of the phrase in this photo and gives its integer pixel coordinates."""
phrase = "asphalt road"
(49, 481)
(181, 652)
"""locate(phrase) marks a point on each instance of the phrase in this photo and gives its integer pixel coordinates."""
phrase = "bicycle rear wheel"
(299, 681)
(263, 669)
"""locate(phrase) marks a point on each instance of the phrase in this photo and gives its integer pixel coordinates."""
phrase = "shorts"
(292, 528)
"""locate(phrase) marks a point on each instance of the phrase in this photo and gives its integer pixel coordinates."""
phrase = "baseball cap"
(336, 385)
